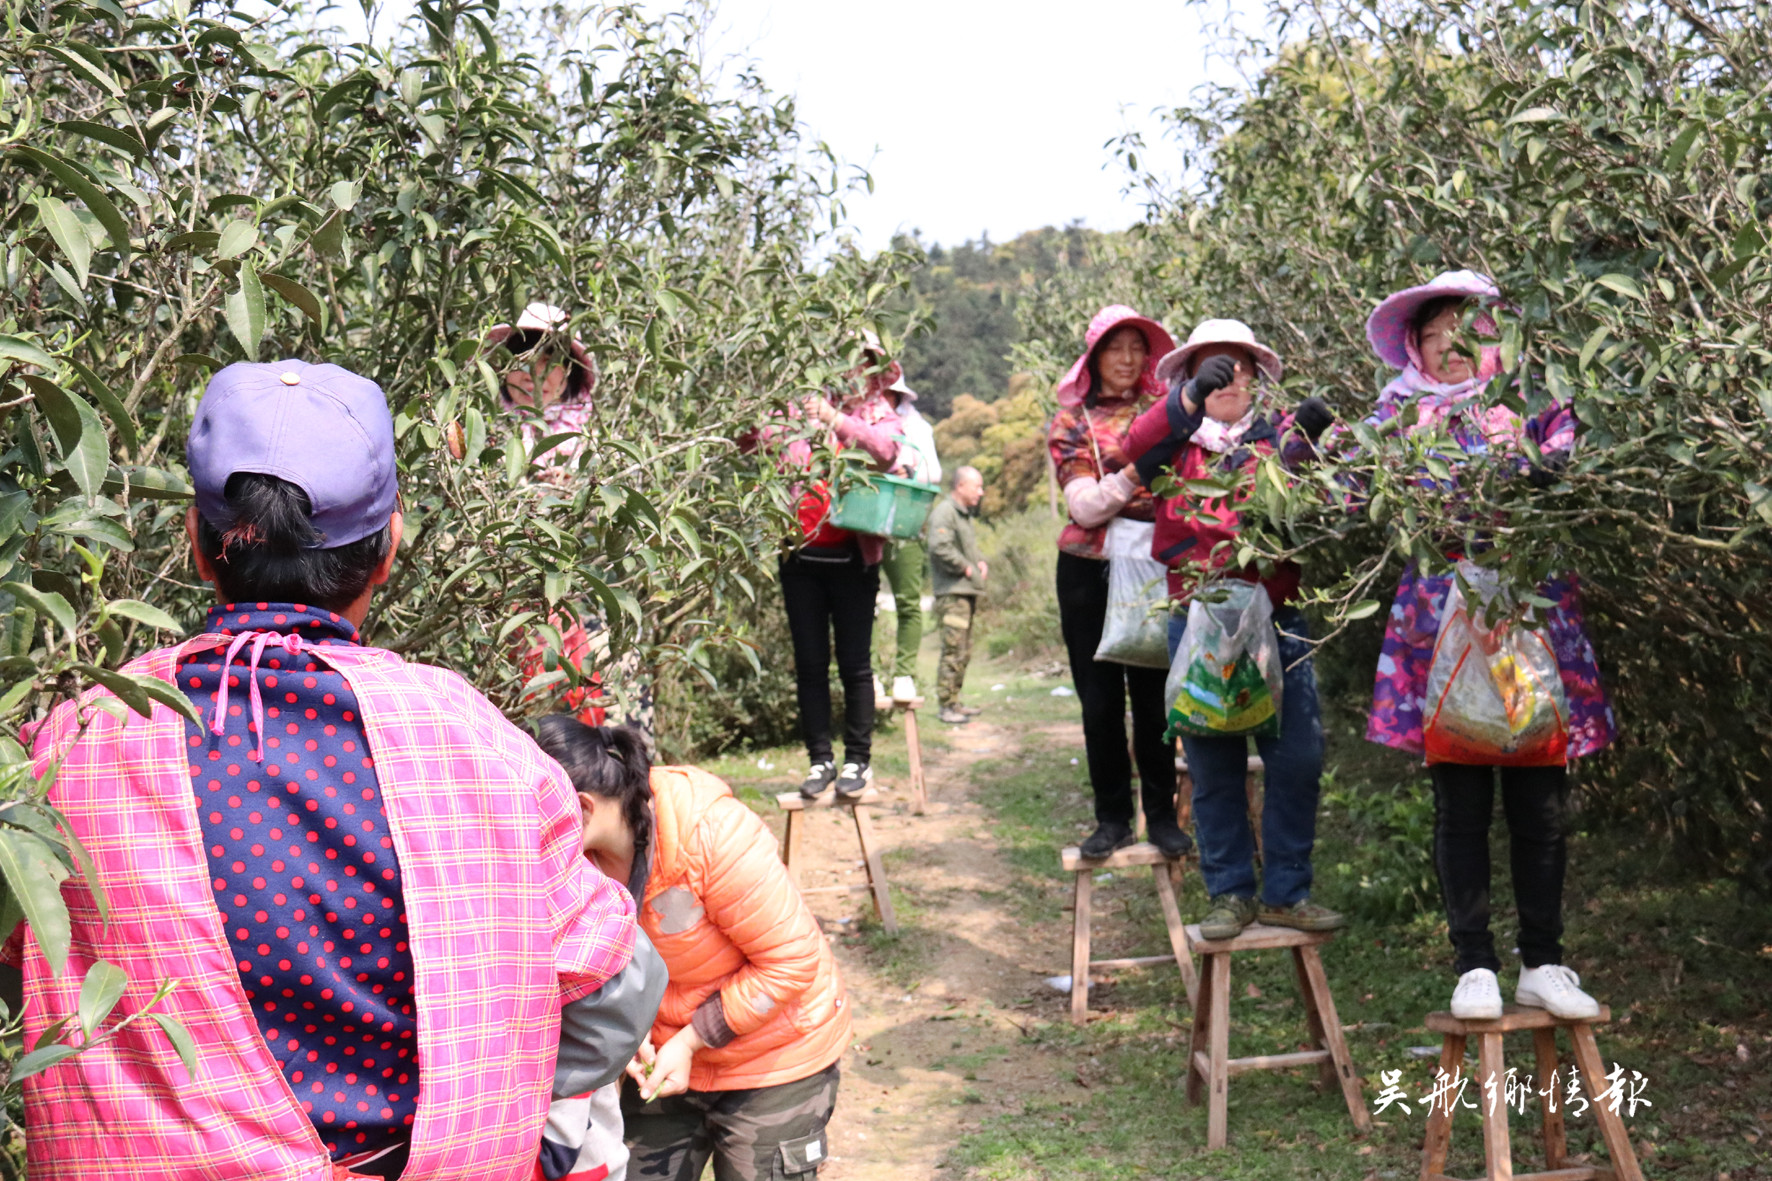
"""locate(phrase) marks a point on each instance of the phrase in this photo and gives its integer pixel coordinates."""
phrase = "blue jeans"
(1294, 768)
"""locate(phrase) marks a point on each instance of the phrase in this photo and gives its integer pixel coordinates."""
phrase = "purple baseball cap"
(322, 428)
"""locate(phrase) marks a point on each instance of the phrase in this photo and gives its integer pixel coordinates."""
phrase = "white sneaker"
(903, 689)
(1478, 996)
(1554, 987)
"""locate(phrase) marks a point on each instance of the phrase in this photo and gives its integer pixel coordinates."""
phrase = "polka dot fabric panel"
(304, 872)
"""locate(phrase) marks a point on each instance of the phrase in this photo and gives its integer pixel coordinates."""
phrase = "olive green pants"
(903, 565)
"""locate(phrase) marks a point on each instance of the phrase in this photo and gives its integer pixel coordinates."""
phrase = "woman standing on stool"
(1104, 391)
(1415, 330)
(1211, 425)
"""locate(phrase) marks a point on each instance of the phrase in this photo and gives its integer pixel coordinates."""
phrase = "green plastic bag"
(1226, 677)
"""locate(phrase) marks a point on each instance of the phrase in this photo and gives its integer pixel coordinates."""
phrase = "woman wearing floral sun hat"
(1108, 386)
(1216, 421)
(1417, 330)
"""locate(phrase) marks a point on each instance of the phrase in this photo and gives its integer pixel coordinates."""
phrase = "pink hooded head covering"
(1157, 342)
(1396, 339)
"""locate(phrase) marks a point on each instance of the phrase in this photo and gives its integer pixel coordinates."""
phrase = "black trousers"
(825, 598)
(1532, 799)
(1102, 691)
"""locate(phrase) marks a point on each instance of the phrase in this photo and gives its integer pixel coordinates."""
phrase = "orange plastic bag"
(1494, 695)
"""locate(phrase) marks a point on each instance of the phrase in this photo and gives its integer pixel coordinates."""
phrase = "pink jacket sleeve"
(879, 439)
(1148, 429)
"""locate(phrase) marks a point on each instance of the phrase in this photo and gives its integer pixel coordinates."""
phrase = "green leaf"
(116, 137)
(39, 1060)
(99, 994)
(15, 695)
(1593, 345)
(145, 613)
(344, 194)
(237, 237)
(1759, 498)
(1362, 609)
(122, 685)
(67, 232)
(113, 405)
(35, 875)
(43, 602)
(298, 295)
(90, 70)
(1623, 284)
(1682, 145)
(58, 409)
(103, 208)
(180, 1039)
(13, 348)
(194, 240)
(167, 695)
(91, 460)
(1748, 240)
(82, 859)
(1536, 115)
(329, 239)
(245, 311)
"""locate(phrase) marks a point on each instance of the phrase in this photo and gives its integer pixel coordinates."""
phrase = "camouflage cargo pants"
(955, 614)
(764, 1134)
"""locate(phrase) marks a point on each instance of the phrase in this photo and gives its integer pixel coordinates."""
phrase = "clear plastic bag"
(1136, 631)
(1494, 695)
(1226, 677)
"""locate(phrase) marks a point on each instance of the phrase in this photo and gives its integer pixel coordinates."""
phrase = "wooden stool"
(1184, 796)
(1497, 1150)
(1210, 1066)
(912, 744)
(1140, 854)
(794, 804)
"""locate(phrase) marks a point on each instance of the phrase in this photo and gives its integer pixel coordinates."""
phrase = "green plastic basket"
(885, 505)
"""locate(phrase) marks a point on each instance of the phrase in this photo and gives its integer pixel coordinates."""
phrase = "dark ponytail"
(272, 552)
(609, 762)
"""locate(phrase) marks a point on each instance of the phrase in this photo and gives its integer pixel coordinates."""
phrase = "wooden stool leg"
(1492, 1069)
(1556, 1144)
(1327, 1075)
(1080, 946)
(1439, 1116)
(914, 747)
(1593, 1075)
(870, 855)
(1184, 800)
(1177, 931)
(1197, 1036)
(1334, 1042)
(790, 848)
(1220, 1033)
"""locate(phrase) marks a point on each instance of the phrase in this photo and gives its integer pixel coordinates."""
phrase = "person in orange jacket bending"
(742, 1064)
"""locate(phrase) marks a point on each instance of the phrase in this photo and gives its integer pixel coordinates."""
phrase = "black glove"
(1543, 475)
(1313, 417)
(1214, 374)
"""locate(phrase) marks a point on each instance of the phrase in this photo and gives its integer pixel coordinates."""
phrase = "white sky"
(973, 116)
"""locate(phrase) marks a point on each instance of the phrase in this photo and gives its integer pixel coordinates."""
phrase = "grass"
(1686, 964)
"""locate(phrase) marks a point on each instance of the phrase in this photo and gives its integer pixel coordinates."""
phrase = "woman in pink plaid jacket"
(367, 883)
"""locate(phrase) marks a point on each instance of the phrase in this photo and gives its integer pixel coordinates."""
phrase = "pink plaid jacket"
(507, 923)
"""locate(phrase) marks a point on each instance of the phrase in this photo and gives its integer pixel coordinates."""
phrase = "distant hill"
(971, 289)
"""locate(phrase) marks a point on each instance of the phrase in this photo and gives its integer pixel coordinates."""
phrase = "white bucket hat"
(1219, 332)
(904, 392)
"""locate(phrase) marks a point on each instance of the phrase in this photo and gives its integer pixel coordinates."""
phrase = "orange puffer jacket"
(722, 911)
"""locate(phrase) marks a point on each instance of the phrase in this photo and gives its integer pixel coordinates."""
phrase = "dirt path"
(940, 1023)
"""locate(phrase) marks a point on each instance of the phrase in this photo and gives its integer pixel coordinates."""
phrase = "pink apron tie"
(291, 644)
